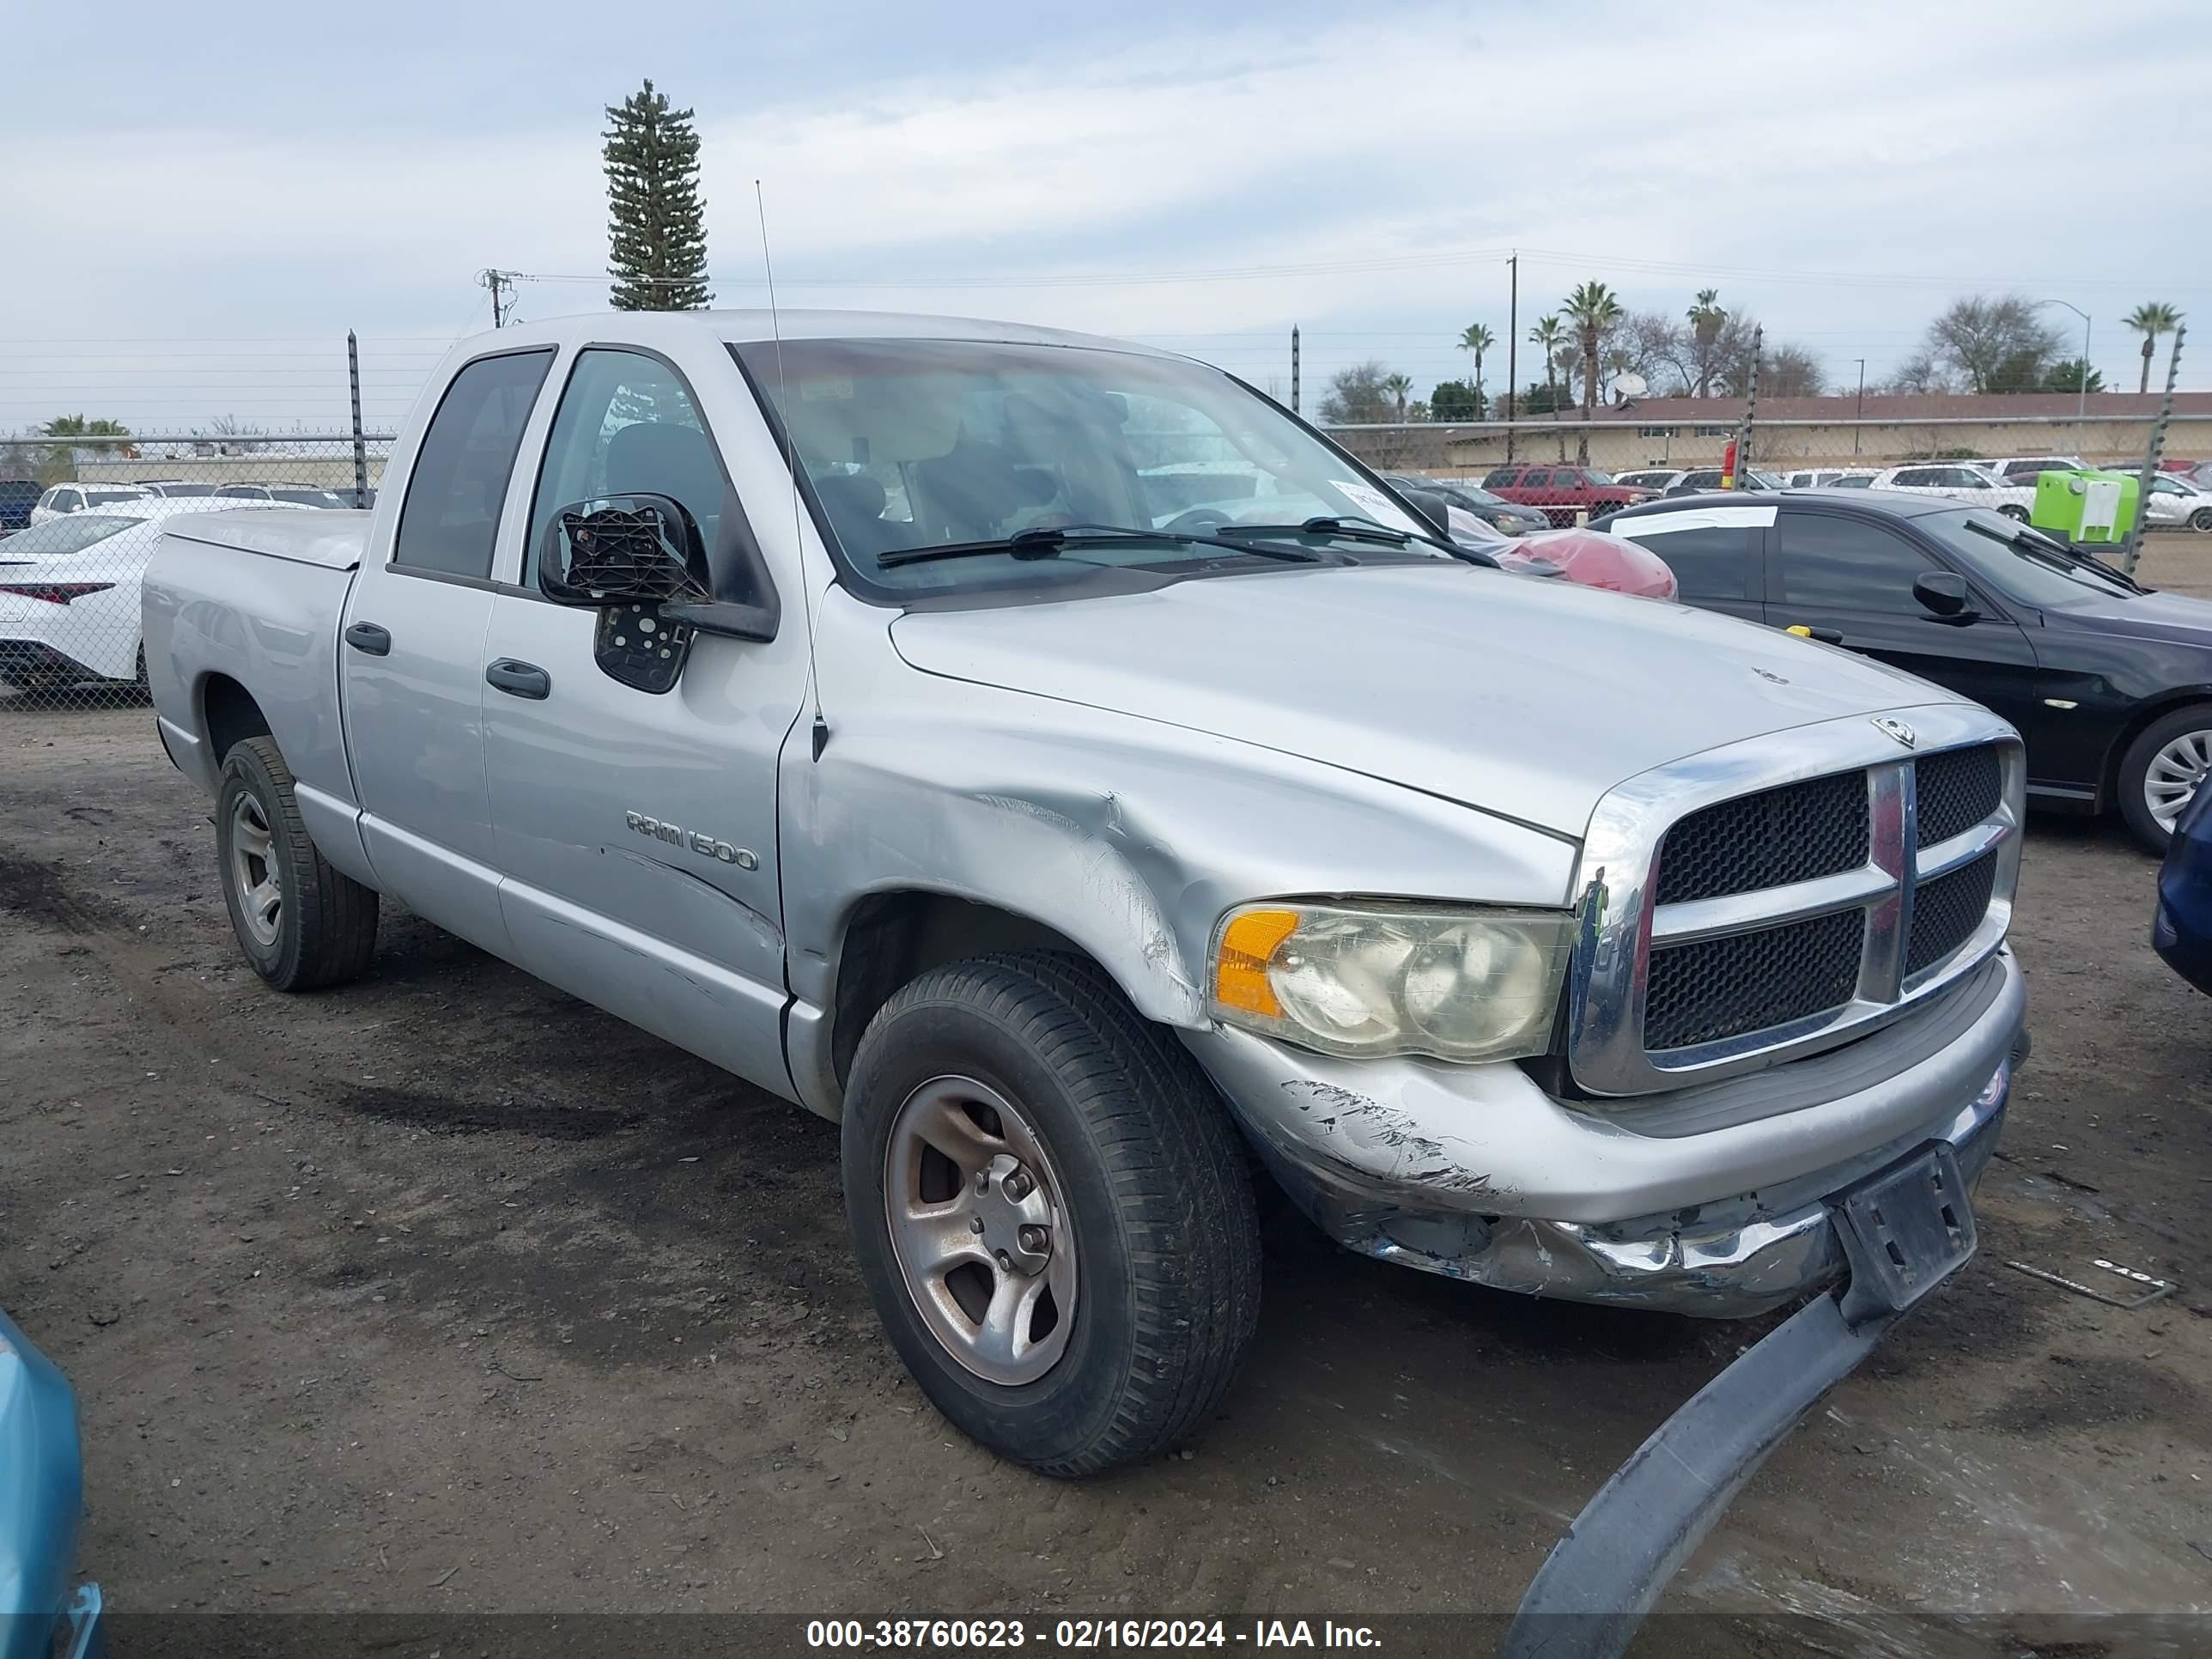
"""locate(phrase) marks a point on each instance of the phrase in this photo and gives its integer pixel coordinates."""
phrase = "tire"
(323, 928)
(2201, 520)
(2016, 514)
(2157, 764)
(1136, 1162)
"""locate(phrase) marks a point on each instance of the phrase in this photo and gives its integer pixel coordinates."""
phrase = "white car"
(2175, 501)
(69, 590)
(1825, 477)
(297, 494)
(1959, 481)
(64, 499)
(174, 488)
(2025, 468)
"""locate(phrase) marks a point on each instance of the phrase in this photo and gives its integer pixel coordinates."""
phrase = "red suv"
(1563, 491)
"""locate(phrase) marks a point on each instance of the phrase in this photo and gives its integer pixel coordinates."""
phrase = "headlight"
(1380, 980)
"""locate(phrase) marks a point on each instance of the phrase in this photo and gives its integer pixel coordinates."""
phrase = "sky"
(217, 197)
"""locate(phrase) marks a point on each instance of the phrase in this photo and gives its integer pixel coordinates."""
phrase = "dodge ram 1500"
(847, 700)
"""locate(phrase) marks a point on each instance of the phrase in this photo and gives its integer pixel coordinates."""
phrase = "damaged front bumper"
(1710, 1201)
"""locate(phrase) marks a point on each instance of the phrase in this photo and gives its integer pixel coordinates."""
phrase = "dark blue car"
(41, 1502)
(2183, 931)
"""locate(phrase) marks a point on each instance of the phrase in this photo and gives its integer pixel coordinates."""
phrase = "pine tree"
(657, 239)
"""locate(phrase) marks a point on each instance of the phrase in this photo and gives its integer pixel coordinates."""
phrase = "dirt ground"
(445, 1292)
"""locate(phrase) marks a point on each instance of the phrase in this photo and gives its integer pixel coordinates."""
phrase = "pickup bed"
(836, 701)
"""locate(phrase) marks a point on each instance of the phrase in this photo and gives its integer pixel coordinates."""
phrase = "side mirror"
(628, 556)
(623, 549)
(1434, 509)
(1944, 595)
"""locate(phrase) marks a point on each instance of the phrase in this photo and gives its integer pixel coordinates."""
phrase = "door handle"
(368, 638)
(520, 679)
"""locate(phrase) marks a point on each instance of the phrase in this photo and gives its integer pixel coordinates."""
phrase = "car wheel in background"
(2162, 769)
(302, 923)
(2018, 514)
(1052, 1211)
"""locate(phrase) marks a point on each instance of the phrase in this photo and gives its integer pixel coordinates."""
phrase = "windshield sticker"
(1696, 517)
(1375, 504)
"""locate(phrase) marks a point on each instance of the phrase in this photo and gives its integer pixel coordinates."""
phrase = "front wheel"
(1051, 1210)
(2017, 515)
(2201, 520)
(2162, 770)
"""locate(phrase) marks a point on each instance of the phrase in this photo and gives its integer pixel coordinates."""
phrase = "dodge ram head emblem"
(1896, 728)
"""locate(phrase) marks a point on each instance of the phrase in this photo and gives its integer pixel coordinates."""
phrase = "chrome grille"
(1957, 791)
(1774, 898)
(1945, 911)
(1795, 833)
(1723, 987)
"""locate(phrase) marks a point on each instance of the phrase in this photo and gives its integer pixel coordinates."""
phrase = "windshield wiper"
(2031, 544)
(1046, 541)
(1358, 530)
(1350, 530)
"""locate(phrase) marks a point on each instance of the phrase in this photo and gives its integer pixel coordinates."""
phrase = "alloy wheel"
(2174, 774)
(979, 1224)
(254, 873)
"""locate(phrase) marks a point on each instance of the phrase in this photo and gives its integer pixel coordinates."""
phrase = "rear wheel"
(1052, 1211)
(2162, 769)
(302, 923)
(2200, 519)
(2018, 514)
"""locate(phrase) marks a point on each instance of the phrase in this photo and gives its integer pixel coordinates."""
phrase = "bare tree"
(1355, 396)
(1790, 371)
(1985, 340)
(1919, 375)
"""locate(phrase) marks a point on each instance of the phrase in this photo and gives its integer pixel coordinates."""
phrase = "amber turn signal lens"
(1240, 970)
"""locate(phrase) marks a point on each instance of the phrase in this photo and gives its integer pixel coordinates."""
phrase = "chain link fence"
(79, 518)
(1529, 474)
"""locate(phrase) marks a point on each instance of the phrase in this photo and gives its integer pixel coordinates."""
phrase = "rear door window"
(450, 518)
(1711, 563)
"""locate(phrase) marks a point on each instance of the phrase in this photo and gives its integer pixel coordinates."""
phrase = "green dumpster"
(2087, 506)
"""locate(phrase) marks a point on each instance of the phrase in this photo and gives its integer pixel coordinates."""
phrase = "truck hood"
(1527, 699)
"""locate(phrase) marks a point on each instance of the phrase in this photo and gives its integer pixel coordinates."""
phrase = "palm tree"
(1397, 388)
(2150, 320)
(76, 425)
(1551, 334)
(1706, 321)
(1477, 339)
(1593, 308)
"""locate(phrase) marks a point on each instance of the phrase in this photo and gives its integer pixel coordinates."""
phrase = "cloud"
(1753, 142)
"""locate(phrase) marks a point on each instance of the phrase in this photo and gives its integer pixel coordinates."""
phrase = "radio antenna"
(791, 461)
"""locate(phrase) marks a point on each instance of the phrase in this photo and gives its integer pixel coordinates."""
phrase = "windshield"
(308, 498)
(909, 444)
(109, 497)
(68, 535)
(1601, 479)
(2017, 562)
(184, 491)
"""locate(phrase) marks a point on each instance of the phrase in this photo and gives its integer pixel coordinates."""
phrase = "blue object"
(2182, 931)
(41, 1502)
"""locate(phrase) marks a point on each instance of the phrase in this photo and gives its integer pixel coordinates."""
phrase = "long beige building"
(1875, 431)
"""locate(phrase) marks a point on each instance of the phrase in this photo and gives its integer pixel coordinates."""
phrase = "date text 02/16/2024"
(1078, 1634)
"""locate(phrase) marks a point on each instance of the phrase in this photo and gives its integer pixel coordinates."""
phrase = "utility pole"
(2151, 453)
(1859, 413)
(2081, 385)
(1512, 343)
(360, 447)
(1294, 368)
(501, 284)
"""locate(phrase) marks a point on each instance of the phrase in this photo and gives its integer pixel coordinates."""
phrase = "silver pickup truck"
(1056, 762)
